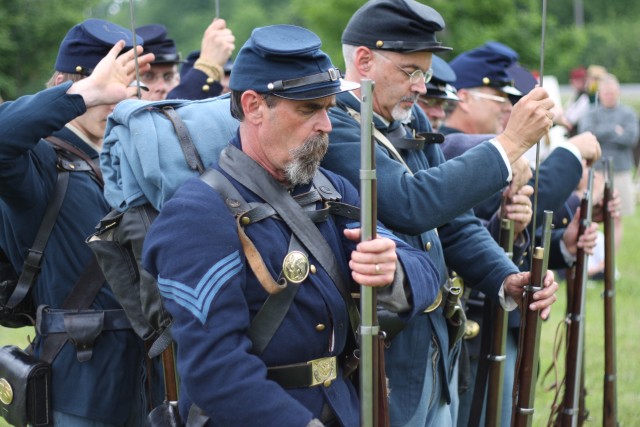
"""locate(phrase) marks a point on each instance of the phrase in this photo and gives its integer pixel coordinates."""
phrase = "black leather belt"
(52, 321)
(308, 374)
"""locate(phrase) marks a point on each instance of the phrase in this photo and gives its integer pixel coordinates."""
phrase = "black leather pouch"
(25, 388)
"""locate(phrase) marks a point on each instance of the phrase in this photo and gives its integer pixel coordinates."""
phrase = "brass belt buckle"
(323, 371)
(436, 303)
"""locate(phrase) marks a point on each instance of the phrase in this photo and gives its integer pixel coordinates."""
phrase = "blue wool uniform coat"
(195, 85)
(558, 177)
(438, 196)
(194, 250)
(101, 388)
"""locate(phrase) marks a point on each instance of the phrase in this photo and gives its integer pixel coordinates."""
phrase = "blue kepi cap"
(286, 61)
(88, 42)
(156, 42)
(486, 66)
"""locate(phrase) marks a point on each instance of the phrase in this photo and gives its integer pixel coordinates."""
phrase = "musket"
(569, 414)
(490, 371)
(529, 338)
(529, 346)
(497, 355)
(610, 398)
(373, 399)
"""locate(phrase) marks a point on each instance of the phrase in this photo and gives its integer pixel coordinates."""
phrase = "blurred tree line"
(30, 30)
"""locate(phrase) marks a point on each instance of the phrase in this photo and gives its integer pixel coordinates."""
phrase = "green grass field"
(628, 344)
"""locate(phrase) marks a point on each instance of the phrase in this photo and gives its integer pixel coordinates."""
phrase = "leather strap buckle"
(323, 370)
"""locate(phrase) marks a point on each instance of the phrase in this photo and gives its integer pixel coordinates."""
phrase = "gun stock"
(497, 354)
(610, 398)
(527, 366)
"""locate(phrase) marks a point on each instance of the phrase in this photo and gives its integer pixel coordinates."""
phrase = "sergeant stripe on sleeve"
(198, 300)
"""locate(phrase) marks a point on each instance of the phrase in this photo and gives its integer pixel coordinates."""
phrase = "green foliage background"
(30, 30)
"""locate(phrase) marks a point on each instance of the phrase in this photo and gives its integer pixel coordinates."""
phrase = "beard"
(306, 159)
(402, 114)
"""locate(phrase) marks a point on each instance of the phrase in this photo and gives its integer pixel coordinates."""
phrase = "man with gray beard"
(258, 271)
(426, 201)
(305, 160)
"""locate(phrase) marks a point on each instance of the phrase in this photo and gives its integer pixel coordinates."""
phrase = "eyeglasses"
(418, 76)
(434, 102)
(496, 98)
(150, 77)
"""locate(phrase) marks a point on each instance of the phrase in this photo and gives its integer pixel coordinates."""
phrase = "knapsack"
(149, 150)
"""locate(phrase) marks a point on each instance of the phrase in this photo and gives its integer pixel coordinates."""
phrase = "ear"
(464, 96)
(60, 78)
(364, 60)
(251, 102)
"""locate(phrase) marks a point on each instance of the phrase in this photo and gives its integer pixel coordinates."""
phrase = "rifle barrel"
(369, 329)
(609, 408)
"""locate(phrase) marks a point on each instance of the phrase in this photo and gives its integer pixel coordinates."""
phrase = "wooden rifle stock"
(569, 414)
(373, 397)
(610, 398)
(497, 354)
(527, 366)
(169, 370)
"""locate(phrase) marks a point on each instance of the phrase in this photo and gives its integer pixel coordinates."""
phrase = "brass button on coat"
(313, 269)
(427, 246)
(205, 88)
(320, 327)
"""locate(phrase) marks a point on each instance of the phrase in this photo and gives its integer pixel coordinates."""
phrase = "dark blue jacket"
(195, 84)
(194, 250)
(438, 196)
(101, 388)
(558, 176)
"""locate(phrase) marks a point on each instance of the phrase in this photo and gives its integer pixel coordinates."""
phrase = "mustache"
(306, 159)
(314, 146)
(411, 98)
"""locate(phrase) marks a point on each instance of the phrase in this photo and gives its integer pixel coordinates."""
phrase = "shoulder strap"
(64, 145)
(188, 148)
(237, 205)
(381, 139)
(31, 267)
(241, 167)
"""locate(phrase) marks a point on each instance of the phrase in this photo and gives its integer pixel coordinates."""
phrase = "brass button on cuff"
(320, 327)
(313, 269)
(427, 246)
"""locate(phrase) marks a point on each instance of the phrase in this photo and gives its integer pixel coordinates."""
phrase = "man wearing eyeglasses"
(203, 78)
(441, 95)
(425, 200)
(486, 89)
